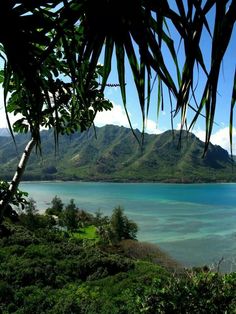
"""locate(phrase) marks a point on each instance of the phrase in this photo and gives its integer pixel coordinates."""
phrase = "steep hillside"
(113, 154)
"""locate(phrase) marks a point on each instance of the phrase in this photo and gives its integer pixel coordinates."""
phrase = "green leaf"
(1, 76)
(109, 45)
(120, 54)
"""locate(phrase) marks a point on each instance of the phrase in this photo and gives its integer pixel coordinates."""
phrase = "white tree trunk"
(17, 177)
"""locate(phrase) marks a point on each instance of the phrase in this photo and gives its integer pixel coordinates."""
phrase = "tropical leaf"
(109, 45)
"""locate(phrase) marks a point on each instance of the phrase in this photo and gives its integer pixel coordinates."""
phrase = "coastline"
(188, 216)
(174, 181)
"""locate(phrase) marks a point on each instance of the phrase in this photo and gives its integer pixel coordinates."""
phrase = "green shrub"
(190, 293)
(6, 292)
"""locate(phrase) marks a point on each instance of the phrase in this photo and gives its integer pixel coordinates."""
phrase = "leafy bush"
(6, 292)
(190, 293)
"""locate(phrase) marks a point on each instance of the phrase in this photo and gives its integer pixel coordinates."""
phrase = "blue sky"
(117, 115)
(220, 133)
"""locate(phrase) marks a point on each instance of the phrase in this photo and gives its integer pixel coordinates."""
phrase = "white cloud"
(2, 113)
(3, 122)
(200, 134)
(178, 126)
(109, 92)
(151, 127)
(220, 137)
(116, 116)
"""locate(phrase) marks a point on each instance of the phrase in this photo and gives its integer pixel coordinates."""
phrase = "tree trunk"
(17, 178)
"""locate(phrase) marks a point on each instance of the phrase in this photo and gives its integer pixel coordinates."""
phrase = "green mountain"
(112, 154)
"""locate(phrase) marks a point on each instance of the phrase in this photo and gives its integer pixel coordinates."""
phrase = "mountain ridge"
(112, 153)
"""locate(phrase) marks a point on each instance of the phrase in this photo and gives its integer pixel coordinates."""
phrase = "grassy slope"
(88, 232)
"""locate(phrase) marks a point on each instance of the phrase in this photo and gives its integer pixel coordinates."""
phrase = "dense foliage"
(48, 270)
(39, 268)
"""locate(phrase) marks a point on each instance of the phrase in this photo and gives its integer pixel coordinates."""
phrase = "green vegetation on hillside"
(49, 270)
(114, 155)
(83, 225)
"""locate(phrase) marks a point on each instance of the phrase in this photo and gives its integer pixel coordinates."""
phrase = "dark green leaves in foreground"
(20, 197)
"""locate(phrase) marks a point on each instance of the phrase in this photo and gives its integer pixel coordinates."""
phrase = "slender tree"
(63, 110)
(56, 207)
(69, 216)
(123, 228)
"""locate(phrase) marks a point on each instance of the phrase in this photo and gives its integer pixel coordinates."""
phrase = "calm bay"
(194, 223)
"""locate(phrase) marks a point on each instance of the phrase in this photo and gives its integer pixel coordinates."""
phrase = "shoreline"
(132, 181)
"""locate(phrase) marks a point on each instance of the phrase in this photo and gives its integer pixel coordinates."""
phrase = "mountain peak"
(115, 155)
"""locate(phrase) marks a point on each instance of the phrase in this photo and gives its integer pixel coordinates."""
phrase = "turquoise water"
(195, 223)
